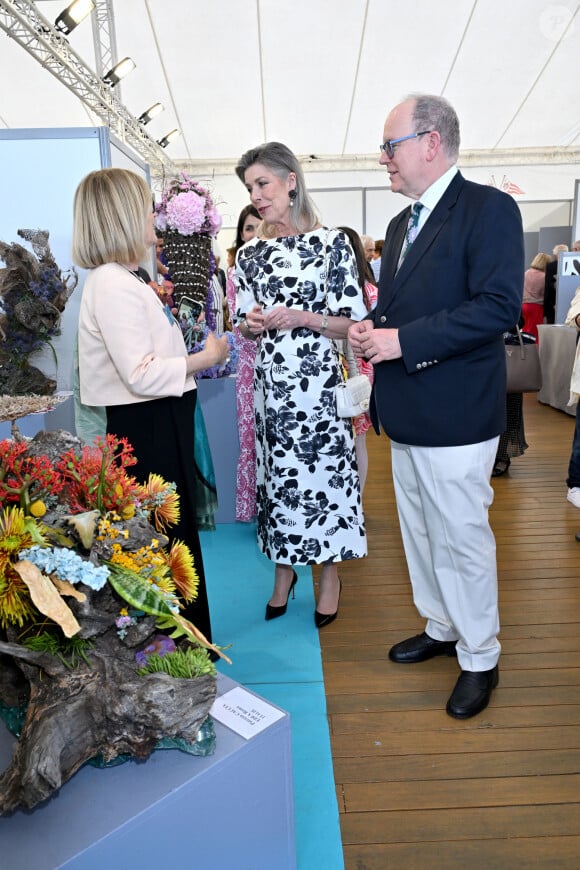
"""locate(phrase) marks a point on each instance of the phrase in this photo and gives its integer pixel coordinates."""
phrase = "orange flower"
(183, 570)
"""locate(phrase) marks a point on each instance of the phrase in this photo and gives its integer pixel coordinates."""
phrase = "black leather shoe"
(420, 648)
(472, 693)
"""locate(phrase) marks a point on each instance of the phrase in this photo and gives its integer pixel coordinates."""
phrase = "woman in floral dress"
(362, 423)
(248, 223)
(298, 291)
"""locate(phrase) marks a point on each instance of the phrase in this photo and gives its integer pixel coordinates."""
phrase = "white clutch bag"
(353, 396)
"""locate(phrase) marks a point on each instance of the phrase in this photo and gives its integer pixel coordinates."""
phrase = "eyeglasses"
(389, 146)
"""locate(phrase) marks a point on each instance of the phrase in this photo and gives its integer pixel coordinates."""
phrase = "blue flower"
(67, 565)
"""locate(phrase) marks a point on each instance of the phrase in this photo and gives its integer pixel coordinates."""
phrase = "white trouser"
(443, 498)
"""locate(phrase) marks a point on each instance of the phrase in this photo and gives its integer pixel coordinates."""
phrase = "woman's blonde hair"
(110, 214)
(540, 262)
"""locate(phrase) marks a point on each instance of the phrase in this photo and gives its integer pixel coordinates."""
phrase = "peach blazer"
(129, 351)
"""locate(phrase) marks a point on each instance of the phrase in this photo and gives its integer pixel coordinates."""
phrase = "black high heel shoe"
(322, 619)
(273, 611)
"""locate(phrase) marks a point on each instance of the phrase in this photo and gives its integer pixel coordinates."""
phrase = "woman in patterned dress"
(362, 423)
(298, 291)
(248, 223)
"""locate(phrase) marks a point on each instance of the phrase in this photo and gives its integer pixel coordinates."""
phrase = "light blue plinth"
(232, 809)
(217, 397)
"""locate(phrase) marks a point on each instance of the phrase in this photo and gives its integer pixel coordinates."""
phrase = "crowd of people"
(422, 315)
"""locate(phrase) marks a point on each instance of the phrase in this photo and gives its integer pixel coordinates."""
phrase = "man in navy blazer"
(451, 283)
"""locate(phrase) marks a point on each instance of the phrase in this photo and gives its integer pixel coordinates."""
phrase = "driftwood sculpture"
(100, 708)
(33, 295)
(73, 652)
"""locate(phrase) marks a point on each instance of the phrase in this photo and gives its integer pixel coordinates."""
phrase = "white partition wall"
(576, 212)
(39, 172)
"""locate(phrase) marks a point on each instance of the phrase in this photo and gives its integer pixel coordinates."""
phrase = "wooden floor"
(416, 788)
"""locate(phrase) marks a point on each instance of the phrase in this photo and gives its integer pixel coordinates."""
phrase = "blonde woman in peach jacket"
(132, 357)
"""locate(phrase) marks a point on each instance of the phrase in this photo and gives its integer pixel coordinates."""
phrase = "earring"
(292, 194)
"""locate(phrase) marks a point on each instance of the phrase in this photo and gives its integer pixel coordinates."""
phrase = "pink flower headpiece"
(186, 208)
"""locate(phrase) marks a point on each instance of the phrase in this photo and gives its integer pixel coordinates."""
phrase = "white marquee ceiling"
(320, 75)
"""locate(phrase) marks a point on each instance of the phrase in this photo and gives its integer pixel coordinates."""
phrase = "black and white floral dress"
(308, 498)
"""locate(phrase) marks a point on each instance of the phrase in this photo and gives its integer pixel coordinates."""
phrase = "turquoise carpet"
(279, 660)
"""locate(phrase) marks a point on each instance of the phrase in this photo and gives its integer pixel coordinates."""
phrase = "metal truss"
(104, 36)
(21, 20)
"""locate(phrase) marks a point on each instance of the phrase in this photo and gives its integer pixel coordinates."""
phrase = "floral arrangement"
(187, 208)
(90, 585)
(33, 295)
(195, 335)
(188, 219)
(70, 519)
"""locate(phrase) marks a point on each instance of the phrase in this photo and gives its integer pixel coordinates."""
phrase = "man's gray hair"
(435, 113)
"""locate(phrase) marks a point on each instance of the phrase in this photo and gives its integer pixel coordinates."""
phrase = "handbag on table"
(522, 358)
(354, 394)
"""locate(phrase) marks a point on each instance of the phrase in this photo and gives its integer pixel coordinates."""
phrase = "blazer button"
(383, 319)
(418, 365)
(424, 365)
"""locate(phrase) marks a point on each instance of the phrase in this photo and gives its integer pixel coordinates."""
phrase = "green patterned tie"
(412, 230)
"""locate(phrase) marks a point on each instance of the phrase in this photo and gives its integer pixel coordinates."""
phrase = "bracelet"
(323, 323)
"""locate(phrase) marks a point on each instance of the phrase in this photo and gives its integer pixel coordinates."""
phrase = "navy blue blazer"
(458, 290)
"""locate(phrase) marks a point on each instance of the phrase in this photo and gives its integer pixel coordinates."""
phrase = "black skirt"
(162, 434)
(512, 442)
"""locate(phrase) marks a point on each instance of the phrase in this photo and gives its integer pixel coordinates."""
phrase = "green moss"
(71, 651)
(181, 664)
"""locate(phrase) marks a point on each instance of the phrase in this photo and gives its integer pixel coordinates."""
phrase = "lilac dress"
(246, 471)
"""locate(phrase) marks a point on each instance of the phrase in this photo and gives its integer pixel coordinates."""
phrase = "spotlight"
(169, 138)
(151, 113)
(73, 15)
(119, 71)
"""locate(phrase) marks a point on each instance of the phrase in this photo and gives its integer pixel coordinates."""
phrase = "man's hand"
(375, 345)
(356, 333)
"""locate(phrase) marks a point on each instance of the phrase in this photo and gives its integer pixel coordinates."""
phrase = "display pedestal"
(217, 397)
(231, 809)
(557, 344)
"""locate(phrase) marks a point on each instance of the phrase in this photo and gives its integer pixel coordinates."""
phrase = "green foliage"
(167, 624)
(138, 592)
(181, 664)
(71, 651)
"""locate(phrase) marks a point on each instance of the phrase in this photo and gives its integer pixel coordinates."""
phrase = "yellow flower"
(14, 536)
(128, 512)
(162, 500)
(183, 570)
(161, 577)
(15, 604)
(38, 508)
